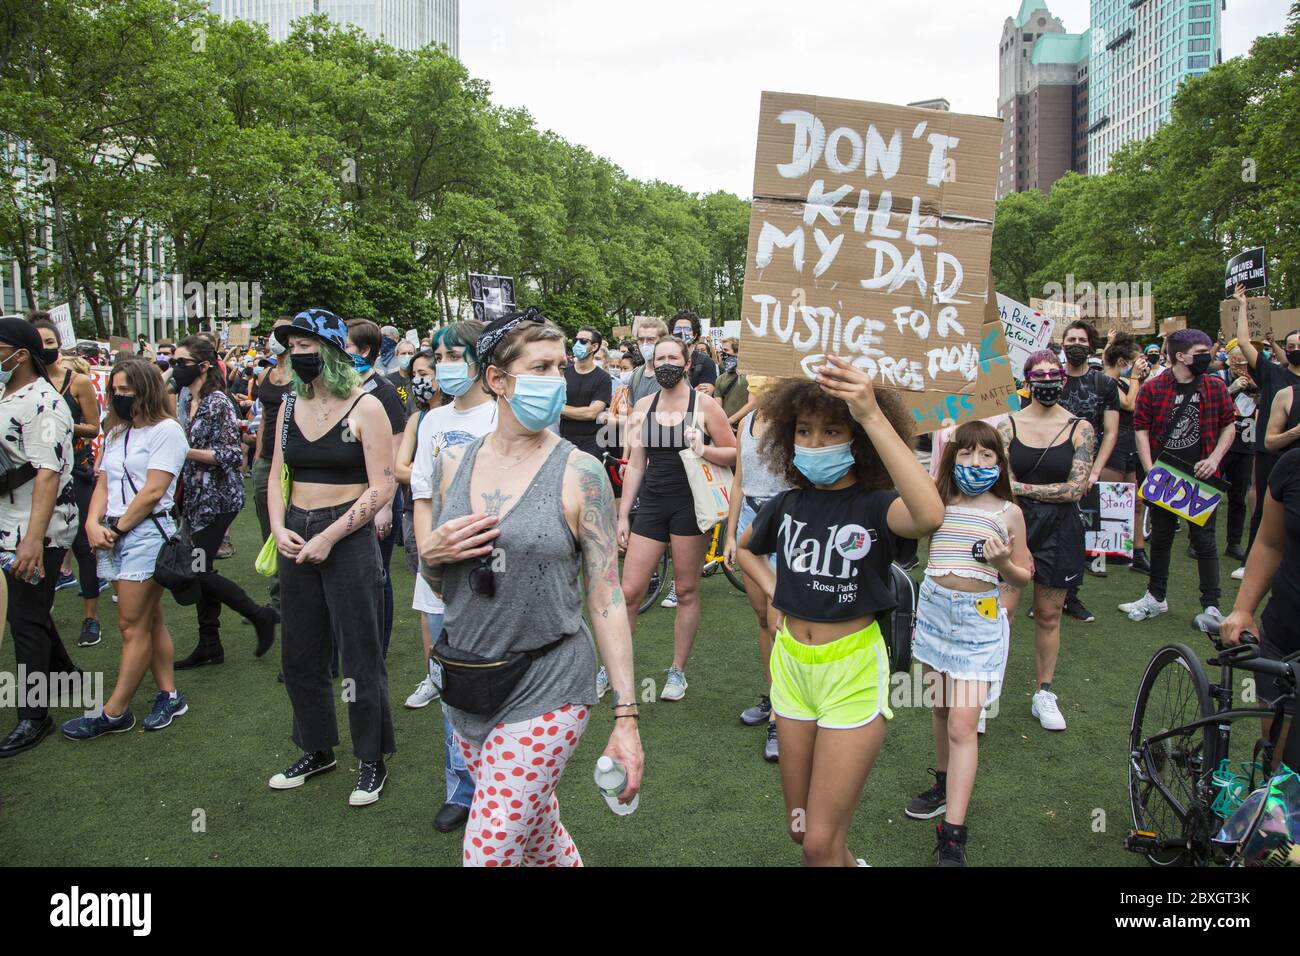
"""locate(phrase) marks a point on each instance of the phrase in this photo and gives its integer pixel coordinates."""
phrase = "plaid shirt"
(1154, 410)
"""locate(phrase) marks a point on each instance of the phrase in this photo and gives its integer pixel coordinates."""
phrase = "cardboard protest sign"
(61, 316)
(1056, 309)
(1108, 511)
(1135, 314)
(1172, 324)
(1245, 269)
(1178, 490)
(1283, 322)
(117, 344)
(491, 296)
(622, 331)
(870, 237)
(1027, 330)
(238, 335)
(1258, 313)
(413, 337)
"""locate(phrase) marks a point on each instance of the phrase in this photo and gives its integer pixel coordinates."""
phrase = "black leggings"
(87, 566)
(216, 590)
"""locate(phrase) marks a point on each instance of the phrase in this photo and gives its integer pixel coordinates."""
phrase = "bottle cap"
(604, 764)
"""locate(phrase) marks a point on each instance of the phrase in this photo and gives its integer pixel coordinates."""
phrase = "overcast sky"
(670, 90)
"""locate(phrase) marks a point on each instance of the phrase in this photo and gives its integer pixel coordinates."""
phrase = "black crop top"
(1055, 464)
(336, 458)
(833, 550)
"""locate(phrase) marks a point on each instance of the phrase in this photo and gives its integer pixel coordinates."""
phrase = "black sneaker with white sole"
(1075, 609)
(931, 803)
(308, 765)
(371, 776)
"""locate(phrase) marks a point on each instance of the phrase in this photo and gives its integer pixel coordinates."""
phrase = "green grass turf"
(709, 799)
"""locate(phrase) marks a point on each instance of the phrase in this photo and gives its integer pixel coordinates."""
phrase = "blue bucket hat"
(318, 323)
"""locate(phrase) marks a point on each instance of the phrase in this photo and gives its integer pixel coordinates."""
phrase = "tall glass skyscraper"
(405, 24)
(1141, 51)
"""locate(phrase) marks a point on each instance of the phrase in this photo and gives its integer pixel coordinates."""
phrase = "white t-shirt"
(441, 428)
(137, 451)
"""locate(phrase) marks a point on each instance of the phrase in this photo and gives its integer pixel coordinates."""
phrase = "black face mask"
(307, 366)
(1200, 364)
(123, 406)
(1046, 393)
(184, 375)
(1293, 356)
(669, 375)
(1077, 354)
(49, 356)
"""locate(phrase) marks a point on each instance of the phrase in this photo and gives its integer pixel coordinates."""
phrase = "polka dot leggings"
(514, 819)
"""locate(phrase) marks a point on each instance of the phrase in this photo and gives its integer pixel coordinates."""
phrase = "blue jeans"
(460, 785)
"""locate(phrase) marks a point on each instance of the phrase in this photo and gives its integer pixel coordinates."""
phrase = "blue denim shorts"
(965, 635)
(132, 557)
(747, 516)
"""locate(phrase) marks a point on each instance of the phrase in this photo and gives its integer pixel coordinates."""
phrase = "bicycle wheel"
(656, 585)
(1173, 693)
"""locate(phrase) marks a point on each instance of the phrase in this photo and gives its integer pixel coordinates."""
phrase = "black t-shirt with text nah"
(833, 551)
(1090, 396)
(583, 389)
(1283, 609)
(394, 407)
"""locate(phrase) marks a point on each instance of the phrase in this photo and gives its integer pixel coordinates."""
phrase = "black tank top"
(83, 451)
(271, 396)
(1056, 460)
(329, 460)
(664, 472)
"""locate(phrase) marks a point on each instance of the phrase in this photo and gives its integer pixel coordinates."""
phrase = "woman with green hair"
(331, 572)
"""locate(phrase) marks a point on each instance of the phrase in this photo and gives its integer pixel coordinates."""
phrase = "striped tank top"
(953, 546)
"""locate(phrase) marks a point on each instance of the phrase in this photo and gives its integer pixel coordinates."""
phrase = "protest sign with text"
(1108, 511)
(1246, 269)
(491, 296)
(1258, 320)
(1172, 484)
(870, 238)
(1027, 331)
(1173, 324)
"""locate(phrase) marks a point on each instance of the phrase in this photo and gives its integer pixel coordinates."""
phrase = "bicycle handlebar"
(1245, 656)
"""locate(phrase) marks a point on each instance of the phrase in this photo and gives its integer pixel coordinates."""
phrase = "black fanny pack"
(480, 685)
(13, 473)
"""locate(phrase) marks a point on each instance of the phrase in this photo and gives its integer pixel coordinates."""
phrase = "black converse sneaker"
(307, 765)
(951, 849)
(925, 806)
(371, 776)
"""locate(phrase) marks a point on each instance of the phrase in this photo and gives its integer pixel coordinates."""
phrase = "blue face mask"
(973, 480)
(7, 373)
(453, 377)
(824, 466)
(359, 363)
(538, 400)
(580, 350)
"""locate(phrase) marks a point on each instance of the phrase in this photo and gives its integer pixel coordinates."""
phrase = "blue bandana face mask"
(538, 400)
(824, 466)
(975, 481)
(359, 363)
(453, 377)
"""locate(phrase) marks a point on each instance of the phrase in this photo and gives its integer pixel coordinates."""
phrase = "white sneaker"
(1045, 709)
(1145, 608)
(602, 682)
(1239, 574)
(425, 694)
(671, 599)
(675, 686)
(862, 862)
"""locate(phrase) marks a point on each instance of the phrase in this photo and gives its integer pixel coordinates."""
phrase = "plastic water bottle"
(611, 778)
(7, 559)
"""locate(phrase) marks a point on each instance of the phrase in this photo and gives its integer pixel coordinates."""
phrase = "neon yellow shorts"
(841, 685)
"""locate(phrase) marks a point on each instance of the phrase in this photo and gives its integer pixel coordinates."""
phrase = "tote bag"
(710, 483)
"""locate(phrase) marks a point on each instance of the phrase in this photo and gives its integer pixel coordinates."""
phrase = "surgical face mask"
(826, 465)
(669, 375)
(422, 388)
(973, 480)
(1200, 364)
(453, 377)
(1046, 393)
(625, 378)
(307, 366)
(1077, 354)
(123, 406)
(275, 346)
(7, 373)
(405, 362)
(538, 400)
(581, 350)
(648, 352)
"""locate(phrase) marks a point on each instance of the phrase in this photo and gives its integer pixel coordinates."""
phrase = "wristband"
(112, 526)
(633, 716)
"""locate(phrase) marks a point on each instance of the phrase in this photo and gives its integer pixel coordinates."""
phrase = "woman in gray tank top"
(754, 483)
(518, 513)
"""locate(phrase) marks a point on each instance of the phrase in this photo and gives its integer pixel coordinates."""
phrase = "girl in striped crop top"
(962, 632)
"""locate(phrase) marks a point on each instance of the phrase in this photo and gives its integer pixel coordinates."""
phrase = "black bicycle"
(1179, 736)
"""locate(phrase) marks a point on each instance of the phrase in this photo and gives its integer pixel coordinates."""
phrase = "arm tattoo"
(598, 533)
(1072, 489)
(494, 500)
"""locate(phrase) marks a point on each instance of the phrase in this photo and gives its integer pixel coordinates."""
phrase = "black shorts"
(660, 516)
(1271, 688)
(1125, 462)
(1055, 539)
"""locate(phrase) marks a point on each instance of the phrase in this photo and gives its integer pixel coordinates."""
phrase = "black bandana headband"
(500, 328)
